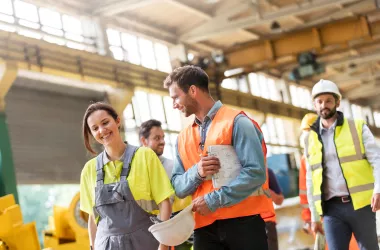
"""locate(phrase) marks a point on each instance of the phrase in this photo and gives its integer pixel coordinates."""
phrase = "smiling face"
(104, 128)
(182, 101)
(326, 105)
(156, 140)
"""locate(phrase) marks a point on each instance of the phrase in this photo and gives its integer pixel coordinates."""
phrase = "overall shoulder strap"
(99, 169)
(128, 156)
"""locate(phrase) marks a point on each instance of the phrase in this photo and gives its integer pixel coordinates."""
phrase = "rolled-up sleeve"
(185, 183)
(372, 153)
(246, 141)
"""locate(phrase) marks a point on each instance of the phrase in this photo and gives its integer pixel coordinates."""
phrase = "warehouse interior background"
(262, 56)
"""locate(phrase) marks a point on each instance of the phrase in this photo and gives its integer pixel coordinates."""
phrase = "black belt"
(341, 199)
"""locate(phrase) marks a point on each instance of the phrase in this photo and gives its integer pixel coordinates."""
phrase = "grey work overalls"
(123, 224)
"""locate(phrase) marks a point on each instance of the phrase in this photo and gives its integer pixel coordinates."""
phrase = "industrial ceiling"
(260, 35)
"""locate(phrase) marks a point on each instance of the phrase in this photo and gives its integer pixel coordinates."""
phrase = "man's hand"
(208, 165)
(200, 206)
(375, 202)
(317, 227)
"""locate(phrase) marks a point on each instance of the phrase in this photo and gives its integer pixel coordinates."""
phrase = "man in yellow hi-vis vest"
(343, 173)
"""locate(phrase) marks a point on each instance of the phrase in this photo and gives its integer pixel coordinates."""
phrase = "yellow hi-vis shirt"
(147, 180)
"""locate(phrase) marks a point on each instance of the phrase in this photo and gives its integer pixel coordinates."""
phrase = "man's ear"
(337, 103)
(192, 90)
(143, 141)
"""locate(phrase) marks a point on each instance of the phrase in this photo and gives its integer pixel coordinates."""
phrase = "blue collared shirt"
(246, 140)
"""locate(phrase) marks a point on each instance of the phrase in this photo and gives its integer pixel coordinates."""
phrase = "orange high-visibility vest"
(306, 215)
(190, 152)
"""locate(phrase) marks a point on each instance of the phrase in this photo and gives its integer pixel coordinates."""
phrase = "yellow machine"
(68, 228)
(14, 234)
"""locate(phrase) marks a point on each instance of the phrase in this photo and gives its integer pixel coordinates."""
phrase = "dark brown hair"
(186, 76)
(86, 129)
(147, 126)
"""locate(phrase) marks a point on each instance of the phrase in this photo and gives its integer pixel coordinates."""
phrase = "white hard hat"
(325, 86)
(175, 231)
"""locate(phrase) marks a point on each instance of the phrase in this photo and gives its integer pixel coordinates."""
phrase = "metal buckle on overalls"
(345, 199)
(117, 196)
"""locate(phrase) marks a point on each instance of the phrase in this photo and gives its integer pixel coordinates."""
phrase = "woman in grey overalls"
(121, 223)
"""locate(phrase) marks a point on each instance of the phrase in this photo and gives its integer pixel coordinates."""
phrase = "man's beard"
(190, 106)
(160, 152)
(329, 114)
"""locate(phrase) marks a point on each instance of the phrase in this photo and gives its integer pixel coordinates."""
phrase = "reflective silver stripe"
(307, 145)
(267, 193)
(355, 138)
(302, 191)
(350, 158)
(305, 205)
(361, 188)
(317, 197)
(261, 191)
(316, 166)
(147, 205)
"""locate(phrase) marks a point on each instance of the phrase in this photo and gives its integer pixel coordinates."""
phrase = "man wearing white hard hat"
(343, 173)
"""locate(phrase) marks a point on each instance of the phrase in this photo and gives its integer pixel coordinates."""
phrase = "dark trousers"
(341, 220)
(243, 233)
(272, 235)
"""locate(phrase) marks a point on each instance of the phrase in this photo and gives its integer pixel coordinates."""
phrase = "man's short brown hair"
(186, 76)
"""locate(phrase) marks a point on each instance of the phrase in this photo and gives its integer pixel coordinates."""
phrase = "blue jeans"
(341, 220)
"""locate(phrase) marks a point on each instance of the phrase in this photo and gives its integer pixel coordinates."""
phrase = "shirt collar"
(107, 160)
(321, 128)
(211, 114)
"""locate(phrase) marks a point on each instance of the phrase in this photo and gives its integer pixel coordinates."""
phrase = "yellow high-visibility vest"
(356, 169)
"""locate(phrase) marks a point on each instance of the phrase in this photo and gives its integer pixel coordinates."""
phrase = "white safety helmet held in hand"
(175, 231)
(325, 86)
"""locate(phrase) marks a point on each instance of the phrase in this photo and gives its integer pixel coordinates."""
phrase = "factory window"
(148, 59)
(131, 48)
(243, 84)
(267, 87)
(6, 8)
(173, 117)
(273, 92)
(51, 22)
(271, 126)
(230, 83)
(376, 116)
(345, 107)
(300, 97)
(262, 80)
(357, 111)
(254, 84)
(162, 57)
(138, 50)
(147, 106)
(56, 28)
(140, 103)
(274, 133)
(279, 125)
(26, 12)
